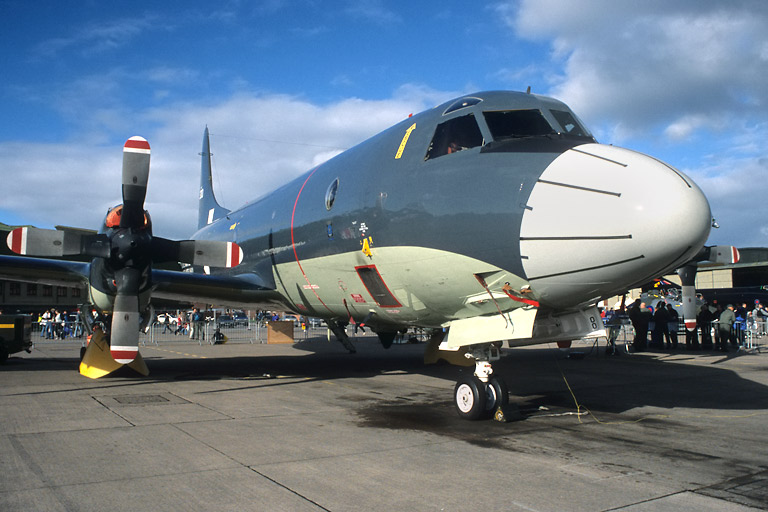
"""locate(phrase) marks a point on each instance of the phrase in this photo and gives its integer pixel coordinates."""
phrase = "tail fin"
(209, 209)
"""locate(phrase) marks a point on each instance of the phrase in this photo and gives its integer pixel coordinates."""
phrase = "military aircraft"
(493, 218)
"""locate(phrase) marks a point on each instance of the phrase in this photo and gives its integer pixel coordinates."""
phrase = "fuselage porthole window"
(330, 194)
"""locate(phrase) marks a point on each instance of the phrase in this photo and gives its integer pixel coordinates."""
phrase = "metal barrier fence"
(256, 332)
(212, 333)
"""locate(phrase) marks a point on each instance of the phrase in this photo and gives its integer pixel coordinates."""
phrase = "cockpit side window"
(569, 123)
(511, 124)
(455, 135)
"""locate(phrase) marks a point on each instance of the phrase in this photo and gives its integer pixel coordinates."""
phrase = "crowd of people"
(717, 327)
(58, 325)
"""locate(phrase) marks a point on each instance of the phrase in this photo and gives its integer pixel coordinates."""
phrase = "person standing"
(197, 325)
(673, 321)
(640, 317)
(705, 323)
(725, 328)
(660, 330)
(46, 318)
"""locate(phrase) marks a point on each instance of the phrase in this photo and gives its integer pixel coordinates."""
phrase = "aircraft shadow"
(539, 378)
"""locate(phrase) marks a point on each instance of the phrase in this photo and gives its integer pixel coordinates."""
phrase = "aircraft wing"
(234, 290)
(221, 290)
(44, 271)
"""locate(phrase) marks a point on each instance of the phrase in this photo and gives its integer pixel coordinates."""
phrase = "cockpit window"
(462, 103)
(569, 123)
(455, 135)
(511, 124)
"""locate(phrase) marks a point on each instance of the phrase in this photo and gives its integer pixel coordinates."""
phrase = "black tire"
(469, 397)
(497, 395)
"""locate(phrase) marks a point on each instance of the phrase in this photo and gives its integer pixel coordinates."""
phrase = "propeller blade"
(726, 254)
(135, 177)
(57, 243)
(209, 253)
(687, 275)
(124, 334)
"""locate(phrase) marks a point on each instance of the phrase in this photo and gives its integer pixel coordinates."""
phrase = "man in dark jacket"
(705, 324)
(640, 317)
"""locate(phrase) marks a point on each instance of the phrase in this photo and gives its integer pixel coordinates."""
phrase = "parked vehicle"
(225, 321)
(240, 319)
(15, 335)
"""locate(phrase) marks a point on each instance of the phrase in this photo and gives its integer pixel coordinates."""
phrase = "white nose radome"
(602, 219)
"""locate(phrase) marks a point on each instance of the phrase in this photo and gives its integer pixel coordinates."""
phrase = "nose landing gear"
(481, 395)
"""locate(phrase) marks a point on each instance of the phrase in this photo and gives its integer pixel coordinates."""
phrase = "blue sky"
(284, 85)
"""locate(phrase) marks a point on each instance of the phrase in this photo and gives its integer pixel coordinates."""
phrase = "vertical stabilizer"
(209, 209)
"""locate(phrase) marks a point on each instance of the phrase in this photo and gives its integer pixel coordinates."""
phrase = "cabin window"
(512, 124)
(455, 135)
(330, 194)
(569, 124)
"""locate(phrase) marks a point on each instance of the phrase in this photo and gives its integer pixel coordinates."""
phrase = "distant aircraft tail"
(209, 209)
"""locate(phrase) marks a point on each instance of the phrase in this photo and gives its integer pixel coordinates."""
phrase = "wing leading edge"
(44, 271)
(238, 290)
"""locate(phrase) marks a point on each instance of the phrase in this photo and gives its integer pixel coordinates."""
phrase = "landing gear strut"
(481, 395)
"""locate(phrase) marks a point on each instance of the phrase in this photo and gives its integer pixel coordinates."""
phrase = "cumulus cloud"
(259, 142)
(649, 61)
(676, 79)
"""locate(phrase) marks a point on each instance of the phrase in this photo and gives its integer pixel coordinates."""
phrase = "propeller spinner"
(127, 250)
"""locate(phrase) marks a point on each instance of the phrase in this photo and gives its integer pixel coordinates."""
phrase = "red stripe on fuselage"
(293, 240)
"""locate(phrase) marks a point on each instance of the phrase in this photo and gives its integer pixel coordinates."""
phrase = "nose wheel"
(479, 396)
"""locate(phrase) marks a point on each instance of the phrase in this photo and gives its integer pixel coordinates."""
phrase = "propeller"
(721, 254)
(127, 249)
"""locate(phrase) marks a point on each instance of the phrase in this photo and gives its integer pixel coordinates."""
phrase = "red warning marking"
(136, 145)
(124, 355)
(17, 240)
(234, 255)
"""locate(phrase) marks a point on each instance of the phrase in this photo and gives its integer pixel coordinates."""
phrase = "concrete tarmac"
(309, 427)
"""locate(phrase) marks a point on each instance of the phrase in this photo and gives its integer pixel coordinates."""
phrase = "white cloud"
(649, 61)
(678, 79)
(96, 37)
(259, 142)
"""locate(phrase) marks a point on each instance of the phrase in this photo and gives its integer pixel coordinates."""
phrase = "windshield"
(509, 124)
(454, 135)
(569, 123)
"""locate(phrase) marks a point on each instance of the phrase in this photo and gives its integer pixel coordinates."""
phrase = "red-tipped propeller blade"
(135, 177)
(124, 334)
(57, 243)
(209, 253)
